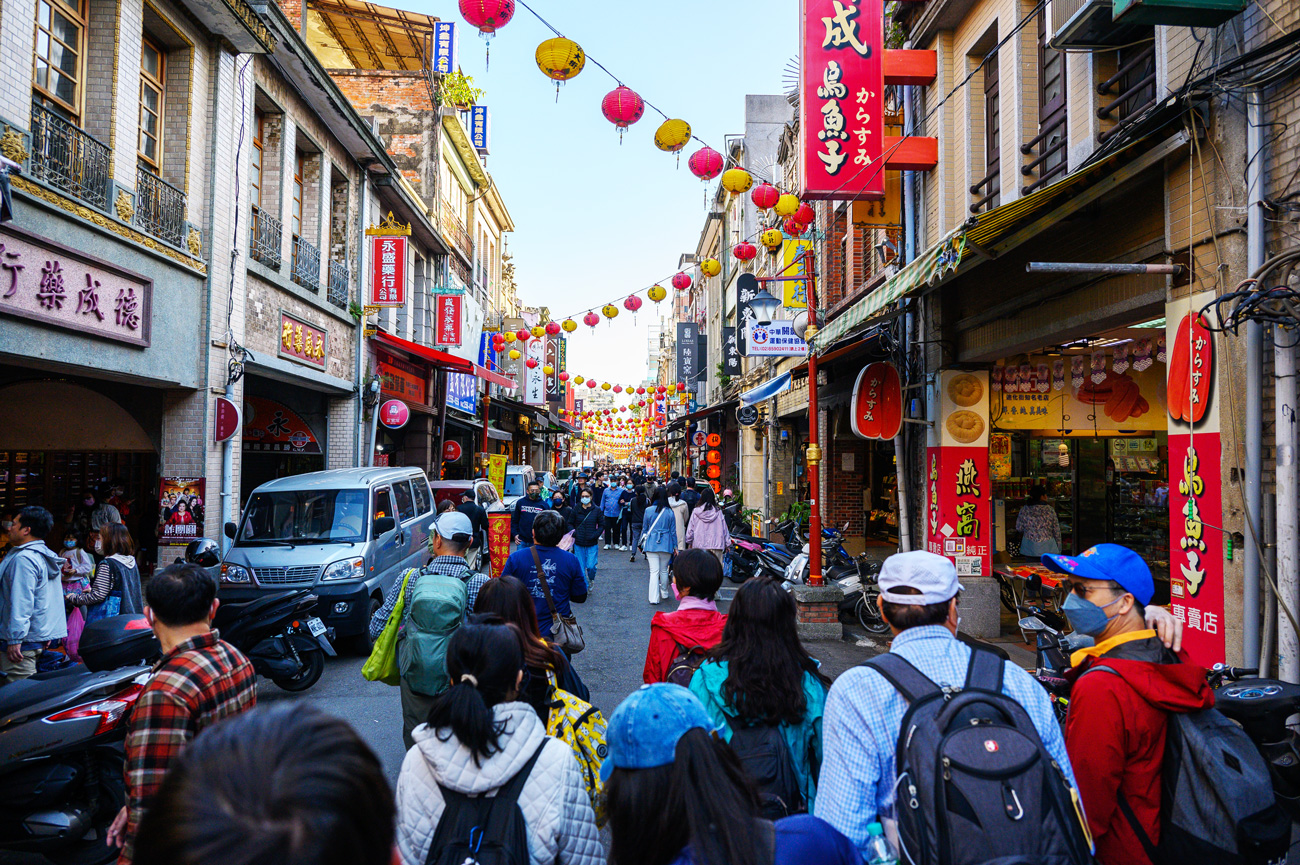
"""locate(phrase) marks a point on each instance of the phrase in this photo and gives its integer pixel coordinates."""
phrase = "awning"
(999, 230)
(348, 34)
(499, 435)
(443, 360)
(701, 413)
(767, 389)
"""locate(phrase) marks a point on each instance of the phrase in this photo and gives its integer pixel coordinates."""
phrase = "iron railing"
(159, 207)
(338, 287)
(989, 199)
(67, 158)
(455, 231)
(264, 242)
(306, 264)
(1048, 147)
(1135, 79)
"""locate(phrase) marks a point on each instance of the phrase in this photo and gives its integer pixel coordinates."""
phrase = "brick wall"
(845, 488)
(101, 49)
(262, 331)
(341, 450)
(183, 433)
(404, 114)
(16, 40)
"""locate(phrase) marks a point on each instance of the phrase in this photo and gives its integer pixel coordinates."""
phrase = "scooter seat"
(26, 693)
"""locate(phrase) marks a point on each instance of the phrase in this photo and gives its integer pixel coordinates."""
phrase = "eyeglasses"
(1083, 590)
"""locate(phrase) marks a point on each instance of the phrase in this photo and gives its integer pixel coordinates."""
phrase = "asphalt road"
(615, 621)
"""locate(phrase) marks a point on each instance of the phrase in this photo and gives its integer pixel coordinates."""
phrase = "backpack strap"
(546, 588)
(508, 796)
(985, 671)
(906, 679)
(1143, 838)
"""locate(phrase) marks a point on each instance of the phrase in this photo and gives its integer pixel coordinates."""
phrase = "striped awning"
(767, 389)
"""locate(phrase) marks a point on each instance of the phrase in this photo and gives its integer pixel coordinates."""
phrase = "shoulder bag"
(565, 630)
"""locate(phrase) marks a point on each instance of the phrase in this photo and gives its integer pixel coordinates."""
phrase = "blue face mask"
(1085, 616)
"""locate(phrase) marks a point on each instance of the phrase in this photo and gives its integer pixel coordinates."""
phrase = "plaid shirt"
(448, 566)
(196, 684)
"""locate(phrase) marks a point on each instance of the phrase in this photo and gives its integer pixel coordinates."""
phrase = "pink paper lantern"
(632, 303)
(591, 319)
(681, 281)
(705, 163)
(622, 107)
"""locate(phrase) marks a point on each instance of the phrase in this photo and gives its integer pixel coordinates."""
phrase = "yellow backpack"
(581, 726)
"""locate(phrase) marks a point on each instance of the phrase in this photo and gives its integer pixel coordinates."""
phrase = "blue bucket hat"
(643, 731)
(1108, 562)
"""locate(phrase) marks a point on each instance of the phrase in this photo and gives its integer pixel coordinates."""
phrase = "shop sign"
(225, 419)
(1196, 543)
(555, 358)
(462, 392)
(269, 426)
(303, 342)
(730, 352)
(699, 438)
(746, 290)
(451, 451)
(394, 414)
(747, 415)
(795, 292)
(1079, 392)
(885, 211)
(841, 100)
(444, 47)
(497, 473)
(687, 359)
(877, 403)
(1191, 371)
(180, 510)
(448, 310)
(480, 128)
(388, 270)
(964, 408)
(401, 380)
(534, 378)
(776, 339)
(958, 516)
(498, 539)
(53, 285)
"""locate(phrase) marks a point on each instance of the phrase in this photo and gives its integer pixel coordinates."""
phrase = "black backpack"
(765, 756)
(684, 664)
(483, 830)
(975, 783)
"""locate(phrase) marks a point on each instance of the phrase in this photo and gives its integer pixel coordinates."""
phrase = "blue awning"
(767, 389)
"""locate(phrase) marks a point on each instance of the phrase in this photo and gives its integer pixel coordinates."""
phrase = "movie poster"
(180, 512)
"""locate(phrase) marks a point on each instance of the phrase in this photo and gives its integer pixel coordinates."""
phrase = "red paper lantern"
(681, 386)
(805, 214)
(661, 389)
(640, 390)
(553, 328)
(522, 334)
(632, 303)
(682, 281)
(744, 251)
(531, 363)
(764, 196)
(618, 388)
(591, 319)
(591, 383)
(794, 228)
(705, 163)
(563, 376)
(487, 15)
(622, 408)
(640, 402)
(622, 107)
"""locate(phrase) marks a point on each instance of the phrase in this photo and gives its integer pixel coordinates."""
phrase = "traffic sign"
(699, 439)
(747, 415)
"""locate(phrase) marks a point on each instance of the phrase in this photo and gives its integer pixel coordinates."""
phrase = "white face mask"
(99, 547)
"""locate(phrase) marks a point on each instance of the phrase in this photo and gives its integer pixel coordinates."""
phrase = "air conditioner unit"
(1090, 24)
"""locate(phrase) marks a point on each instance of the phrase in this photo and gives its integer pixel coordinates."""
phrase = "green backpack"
(435, 612)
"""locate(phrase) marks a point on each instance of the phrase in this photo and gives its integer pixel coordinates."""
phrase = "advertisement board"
(180, 514)
(462, 392)
(388, 270)
(499, 536)
(497, 475)
(535, 378)
(445, 60)
(1103, 390)
(776, 339)
(958, 498)
(688, 369)
(448, 319)
(730, 352)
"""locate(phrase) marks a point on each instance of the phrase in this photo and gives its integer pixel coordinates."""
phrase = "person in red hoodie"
(696, 622)
(1115, 730)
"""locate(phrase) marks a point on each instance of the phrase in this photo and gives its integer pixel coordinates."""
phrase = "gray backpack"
(1217, 802)
(975, 784)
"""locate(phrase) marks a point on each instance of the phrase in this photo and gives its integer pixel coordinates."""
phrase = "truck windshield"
(515, 485)
(303, 516)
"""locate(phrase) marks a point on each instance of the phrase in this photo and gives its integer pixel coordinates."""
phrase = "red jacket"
(1115, 735)
(693, 626)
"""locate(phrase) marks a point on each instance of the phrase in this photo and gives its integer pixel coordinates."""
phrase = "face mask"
(87, 502)
(534, 494)
(586, 500)
(69, 545)
(99, 547)
(1085, 616)
(559, 503)
(677, 593)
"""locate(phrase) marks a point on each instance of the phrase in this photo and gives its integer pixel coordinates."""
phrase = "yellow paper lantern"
(515, 354)
(672, 135)
(577, 379)
(604, 385)
(548, 369)
(710, 267)
(736, 180)
(610, 310)
(538, 332)
(786, 205)
(560, 59)
(509, 336)
(657, 293)
(569, 325)
(772, 239)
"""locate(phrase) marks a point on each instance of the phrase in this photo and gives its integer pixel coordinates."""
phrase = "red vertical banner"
(1196, 544)
(388, 270)
(448, 310)
(842, 100)
(958, 508)
(498, 541)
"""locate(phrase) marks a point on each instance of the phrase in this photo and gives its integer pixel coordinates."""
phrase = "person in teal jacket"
(760, 673)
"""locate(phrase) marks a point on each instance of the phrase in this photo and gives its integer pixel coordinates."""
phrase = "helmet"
(203, 552)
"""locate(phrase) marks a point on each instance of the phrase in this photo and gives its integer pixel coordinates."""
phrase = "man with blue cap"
(1115, 731)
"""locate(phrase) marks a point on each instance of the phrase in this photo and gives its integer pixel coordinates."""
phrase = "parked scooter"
(1261, 707)
(279, 633)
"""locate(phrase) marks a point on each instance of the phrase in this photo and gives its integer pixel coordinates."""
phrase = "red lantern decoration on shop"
(661, 389)
(794, 228)
(681, 386)
(522, 334)
(622, 107)
(705, 163)
(563, 376)
(553, 328)
(618, 388)
(531, 363)
(591, 382)
(488, 16)
(640, 390)
(681, 281)
(765, 196)
(805, 214)
(640, 403)
(744, 251)
(591, 320)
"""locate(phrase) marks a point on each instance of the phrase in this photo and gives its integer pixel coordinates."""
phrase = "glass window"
(297, 194)
(405, 503)
(383, 504)
(259, 130)
(422, 499)
(308, 516)
(60, 31)
(151, 102)
(487, 495)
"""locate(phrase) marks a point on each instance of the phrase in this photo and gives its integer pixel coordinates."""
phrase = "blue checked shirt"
(864, 714)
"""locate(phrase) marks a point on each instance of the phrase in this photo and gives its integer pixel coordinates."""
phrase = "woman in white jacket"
(479, 736)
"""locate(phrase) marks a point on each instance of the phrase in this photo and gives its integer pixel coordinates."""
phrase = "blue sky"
(595, 220)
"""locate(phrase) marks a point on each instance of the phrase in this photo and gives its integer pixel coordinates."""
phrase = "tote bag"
(381, 666)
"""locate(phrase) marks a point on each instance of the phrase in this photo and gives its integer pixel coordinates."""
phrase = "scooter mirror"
(1030, 623)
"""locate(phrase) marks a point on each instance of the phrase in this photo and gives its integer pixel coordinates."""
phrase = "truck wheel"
(361, 644)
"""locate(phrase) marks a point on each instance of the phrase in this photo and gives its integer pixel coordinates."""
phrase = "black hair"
(766, 661)
(674, 489)
(1037, 493)
(690, 483)
(454, 547)
(904, 616)
(675, 474)
(445, 505)
(703, 799)
(483, 664)
(284, 784)
(508, 600)
(533, 483)
(661, 498)
(700, 571)
(36, 520)
(708, 499)
(548, 528)
(180, 594)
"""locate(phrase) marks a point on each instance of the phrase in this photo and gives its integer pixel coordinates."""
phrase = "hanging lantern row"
(622, 106)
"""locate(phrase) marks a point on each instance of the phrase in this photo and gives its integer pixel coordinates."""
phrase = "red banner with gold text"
(958, 514)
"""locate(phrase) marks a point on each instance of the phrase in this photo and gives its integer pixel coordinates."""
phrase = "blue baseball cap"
(643, 731)
(1108, 562)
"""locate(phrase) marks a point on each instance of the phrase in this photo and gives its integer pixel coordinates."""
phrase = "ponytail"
(483, 664)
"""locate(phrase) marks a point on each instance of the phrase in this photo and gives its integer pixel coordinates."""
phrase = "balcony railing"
(991, 188)
(338, 287)
(68, 159)
(455, 231)
(1048, 147)
(264, 242)
(159, 207)
(1135, 81)
(306, 265)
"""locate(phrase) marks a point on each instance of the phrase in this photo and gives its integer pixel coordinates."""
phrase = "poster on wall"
(958, 516)
(180, 513)
(964, 408)
(497, 473)
(1109, 389)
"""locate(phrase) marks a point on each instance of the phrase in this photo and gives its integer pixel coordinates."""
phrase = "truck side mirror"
(231, 530)
(383, 525)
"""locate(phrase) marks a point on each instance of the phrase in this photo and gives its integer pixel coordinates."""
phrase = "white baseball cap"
(454, 526)
(932, 575)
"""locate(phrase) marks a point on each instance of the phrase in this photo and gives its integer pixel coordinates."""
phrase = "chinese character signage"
(1196, 569)
(776, 339)
(535, 378)
(53, 285)
(555, 357)
(796, 292)
(444, 47)
(462, 392)
(270, 426)
(180, 511)
(958, 507)
(1080, 392)
(688, 361)
(480, 128)
(401, 379)
(885, 211)
(388, 270)
(497, 474)
(730, 352)
(841, 100)
(877, 403)
(448, 318)
(303, 342)
(746, 289)
(499, 533)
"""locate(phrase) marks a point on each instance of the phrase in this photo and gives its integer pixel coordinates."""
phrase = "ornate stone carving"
(11, 145)
(195, 243)
(123, 206)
